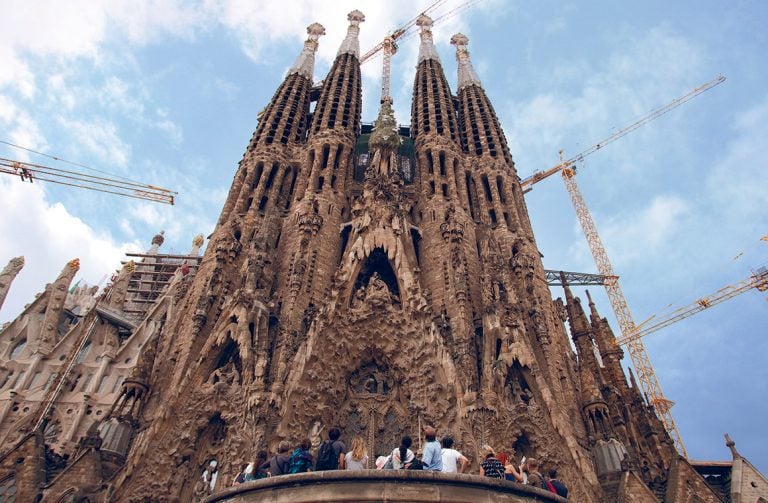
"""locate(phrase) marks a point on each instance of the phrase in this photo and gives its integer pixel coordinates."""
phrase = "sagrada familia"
(377, 278)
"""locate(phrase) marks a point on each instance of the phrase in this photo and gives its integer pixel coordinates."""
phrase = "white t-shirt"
(450, 460)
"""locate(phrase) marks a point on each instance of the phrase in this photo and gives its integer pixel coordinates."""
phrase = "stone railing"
(381, 485)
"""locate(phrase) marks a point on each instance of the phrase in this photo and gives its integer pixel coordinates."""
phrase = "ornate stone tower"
(346, 286)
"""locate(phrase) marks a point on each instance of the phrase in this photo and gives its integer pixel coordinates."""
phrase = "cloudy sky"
(166, 92)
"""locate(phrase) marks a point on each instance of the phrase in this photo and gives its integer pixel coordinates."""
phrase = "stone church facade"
(377, 278)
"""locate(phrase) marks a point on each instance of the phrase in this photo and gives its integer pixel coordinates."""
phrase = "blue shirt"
(433, 457)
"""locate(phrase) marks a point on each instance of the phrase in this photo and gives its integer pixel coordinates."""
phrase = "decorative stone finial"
(427, 47)
(198, 241)
(305, 63)
(351, 43)
(159, 239)
(74, 264)
(467, 75)
(129, 266)
(732, 446)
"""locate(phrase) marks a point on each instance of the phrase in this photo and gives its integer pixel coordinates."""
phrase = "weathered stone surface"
(378, 279)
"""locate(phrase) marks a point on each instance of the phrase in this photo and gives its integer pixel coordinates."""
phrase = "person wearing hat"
(491, 467)
(432, 457)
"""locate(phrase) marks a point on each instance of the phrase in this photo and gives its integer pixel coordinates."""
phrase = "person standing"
(357, 458)
(453, 460)
(330, 454)
(534, 477)
(558, 485)
(279, 464)
(432, 457)
(301, 458)
(491, 467)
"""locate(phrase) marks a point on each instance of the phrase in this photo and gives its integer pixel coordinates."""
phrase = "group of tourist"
(438, 456)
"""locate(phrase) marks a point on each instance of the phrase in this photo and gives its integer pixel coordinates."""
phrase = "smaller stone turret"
(8, 275)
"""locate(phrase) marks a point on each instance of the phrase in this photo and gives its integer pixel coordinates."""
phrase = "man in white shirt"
(453, 460)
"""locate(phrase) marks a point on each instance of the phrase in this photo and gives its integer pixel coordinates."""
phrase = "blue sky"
(166, 92)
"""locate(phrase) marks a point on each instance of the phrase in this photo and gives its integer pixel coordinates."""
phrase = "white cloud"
(48, 236)
(99, 137)
(647, 234)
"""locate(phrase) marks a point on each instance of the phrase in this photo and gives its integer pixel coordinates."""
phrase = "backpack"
(327, 459)
(546, 484)
(300, 462)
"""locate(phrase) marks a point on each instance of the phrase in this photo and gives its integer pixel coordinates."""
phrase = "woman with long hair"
(402, 456)
(357, 458)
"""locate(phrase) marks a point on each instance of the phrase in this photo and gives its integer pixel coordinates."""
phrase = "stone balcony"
(381, 485)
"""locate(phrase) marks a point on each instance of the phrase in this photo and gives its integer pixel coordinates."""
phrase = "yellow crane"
(635, 347)
(388, 46)
(29, 172)
(757, 280)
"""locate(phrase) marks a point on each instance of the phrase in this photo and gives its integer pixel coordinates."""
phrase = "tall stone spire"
(8, 275)
(467, 75)
(264, 180)
(305, 63)
(351, 43)
(427, 47)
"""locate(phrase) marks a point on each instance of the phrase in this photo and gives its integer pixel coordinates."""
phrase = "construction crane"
(527, 184)
(758, 280)
(29, 172)
(636, 348)
(388, 46)
(554, 278)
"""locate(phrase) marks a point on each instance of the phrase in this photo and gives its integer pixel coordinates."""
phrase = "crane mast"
(636, 348)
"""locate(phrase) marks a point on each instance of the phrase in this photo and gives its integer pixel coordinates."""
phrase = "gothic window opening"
(249, 203)
(416, 239)
(294, 175)
(473, 200)
(500, 187)
(337, 159)
(277, 239)
(445, 189)
(487, 188)
(492, 215)
(441, 157)
(263, 203)
(456, 174)
(431, 188)
(257, 175)
(498, 349)
(333, 181)
(320, 183)
(479, 350)
(18, 348)
(430, 163)
(377, 263)
(507, 220)
(344, 240)
(326, 156)
(271, 177)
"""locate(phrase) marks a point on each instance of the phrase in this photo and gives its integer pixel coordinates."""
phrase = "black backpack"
(327, 459)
